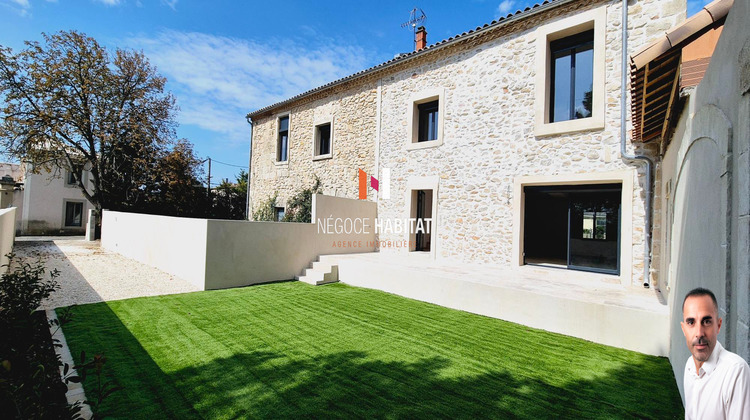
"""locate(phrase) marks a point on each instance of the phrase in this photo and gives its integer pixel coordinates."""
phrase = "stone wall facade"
(488, 142)
(353, 116)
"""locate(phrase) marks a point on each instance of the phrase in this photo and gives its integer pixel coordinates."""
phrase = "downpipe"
(639, 159)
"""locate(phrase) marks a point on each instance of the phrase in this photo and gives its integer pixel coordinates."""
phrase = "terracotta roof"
(656, 70)
(711, 13)
(510, 18)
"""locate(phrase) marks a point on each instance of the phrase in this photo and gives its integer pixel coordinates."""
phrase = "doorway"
(573, 226)
(422, 214)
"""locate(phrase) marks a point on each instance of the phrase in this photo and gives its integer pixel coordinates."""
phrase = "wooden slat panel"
(670, 106)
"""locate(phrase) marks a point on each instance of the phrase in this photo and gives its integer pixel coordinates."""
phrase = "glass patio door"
(594, 232)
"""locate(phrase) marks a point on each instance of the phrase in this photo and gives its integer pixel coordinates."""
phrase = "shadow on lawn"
(352, 384)
(146, 391)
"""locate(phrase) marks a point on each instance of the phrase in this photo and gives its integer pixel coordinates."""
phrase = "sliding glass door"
(574, 226)
(594, 231)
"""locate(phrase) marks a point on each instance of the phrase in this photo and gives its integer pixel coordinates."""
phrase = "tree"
(177, 189)
(230, 199)
(69, 104)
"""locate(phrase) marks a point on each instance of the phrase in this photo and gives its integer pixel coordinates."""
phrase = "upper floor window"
(428, 121)
(425, 119)
(570, 86)
(282, 143)
(323, 139)
(70, 178)
(572, 77)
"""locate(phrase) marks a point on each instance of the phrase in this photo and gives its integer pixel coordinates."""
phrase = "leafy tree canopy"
(230, 198)
(67, 103)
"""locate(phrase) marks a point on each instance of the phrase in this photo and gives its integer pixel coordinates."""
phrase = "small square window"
(428, 121)
(282, 143)
(73, 214)
(70, 179)
(279, 213)
(572, 77)
(323, 139)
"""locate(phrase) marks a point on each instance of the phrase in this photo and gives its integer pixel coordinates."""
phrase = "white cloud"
(109, 2)
(505, 7)
(218, 80)
(171, 3)
(22, 7)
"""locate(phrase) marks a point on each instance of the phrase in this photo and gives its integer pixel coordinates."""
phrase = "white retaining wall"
(217, 254)
(7, 235)
(176, 245)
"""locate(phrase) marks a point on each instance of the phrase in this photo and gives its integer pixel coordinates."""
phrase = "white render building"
(47, 203)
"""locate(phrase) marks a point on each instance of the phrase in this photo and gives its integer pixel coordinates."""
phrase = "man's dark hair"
(700, 291)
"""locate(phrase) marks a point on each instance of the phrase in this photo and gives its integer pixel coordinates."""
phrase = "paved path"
(90, 274)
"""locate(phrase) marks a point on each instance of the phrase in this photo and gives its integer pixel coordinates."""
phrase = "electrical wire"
(228, 164)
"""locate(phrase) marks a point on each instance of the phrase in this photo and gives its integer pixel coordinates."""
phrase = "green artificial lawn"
(294, 350)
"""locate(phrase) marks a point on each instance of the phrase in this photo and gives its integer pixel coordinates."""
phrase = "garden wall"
(7, 235)
(705, 175)
(218, 254)
(175, 245)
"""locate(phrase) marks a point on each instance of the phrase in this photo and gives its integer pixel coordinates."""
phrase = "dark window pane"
(73, 214)
(283, 145)
(279, 213)
(572, 76)
(572, 42)
(324, 139)
(584, 80)
(594, 230)
(428, 121)
(283, 140)
(561, 93)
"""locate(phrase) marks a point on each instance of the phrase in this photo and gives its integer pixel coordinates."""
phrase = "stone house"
(505, 139)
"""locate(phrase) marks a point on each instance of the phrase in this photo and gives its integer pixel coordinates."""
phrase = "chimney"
(421, 38)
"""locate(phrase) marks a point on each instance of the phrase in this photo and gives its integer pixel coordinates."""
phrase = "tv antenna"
(416, 17)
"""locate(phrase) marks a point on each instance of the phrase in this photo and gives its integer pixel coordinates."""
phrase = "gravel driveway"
(90, 274)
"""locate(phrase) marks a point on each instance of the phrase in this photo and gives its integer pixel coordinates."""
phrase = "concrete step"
(319, 273)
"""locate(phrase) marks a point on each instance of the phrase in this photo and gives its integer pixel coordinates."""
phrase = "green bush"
(23, 289)
(299, 206)
(30, 383)
(266, 212)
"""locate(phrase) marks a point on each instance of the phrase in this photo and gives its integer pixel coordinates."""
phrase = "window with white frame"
(323, 139)
(425, 119)
(570, 80)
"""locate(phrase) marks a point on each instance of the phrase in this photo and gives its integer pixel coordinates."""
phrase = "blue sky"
(224, 59)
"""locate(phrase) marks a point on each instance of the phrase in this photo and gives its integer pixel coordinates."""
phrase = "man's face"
(701, 325)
